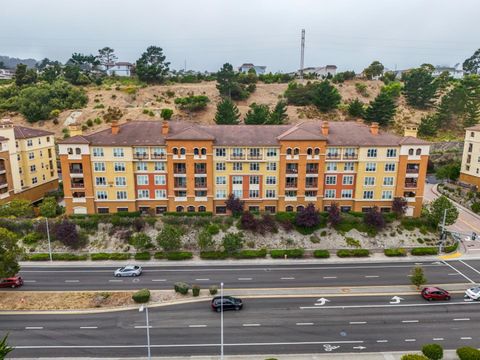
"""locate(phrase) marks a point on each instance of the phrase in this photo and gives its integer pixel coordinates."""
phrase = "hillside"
(139, 103)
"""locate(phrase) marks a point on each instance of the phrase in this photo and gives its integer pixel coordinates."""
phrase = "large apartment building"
(28, 165)
(184, 167)
(470, 169)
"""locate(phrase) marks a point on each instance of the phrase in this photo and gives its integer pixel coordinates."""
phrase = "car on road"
(473, 293)
(435, 293)
(229, 303)
(129, 270)
(12, 282)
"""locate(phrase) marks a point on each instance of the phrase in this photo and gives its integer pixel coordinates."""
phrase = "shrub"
(37, 257)
(451, 248)
(213, 255)
(140, 241)
(420, 251)
(181, 287)
(321, 254)
(251, 254)
(213, 229)
(32, 238)
(159, 255)
(195, 290)
(235, 205)
(308, 217)
(166, 114)
(248, 222)
(476, 207)
(69, 257)
(205, 240)
(142, 256)
(232, 243)
(49, 207)
(395, 252)
(169, 239)
(353, 242)
(213, 290)
(468, 353)
(141, 296)
(66, 232)
(291, 253)
(109, 256)
(314, 239)
(432, 351)
(192, 102)
(413, 357)
(374, 218)
(179, 255)
(353, 253)
(418, 277)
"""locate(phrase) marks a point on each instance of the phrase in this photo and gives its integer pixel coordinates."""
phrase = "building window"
(33, 168)
(160, 210)
(255, 153)
(220, 210)
(220, 167)
(48, 139)
(348, 166)
(333, 153)
(368, 194)
(142, 179)
(99, 167)
(330, 194)
(472, 134)
(332, 166)
(141, 166)
(391, 153)
(418, 152)
(179, 209)
(143, 194)
(253, 194)
(121, 195)
(254, 166)
(270, 193)
(387, 195)
(29, 142)
(31, 155)
(202, 208)
(388, 181)
(160, 194)
(372, 153)
(119, 167)
(271, 180)
(331, 179)
(371, 167)
(160, 180)
(220, 152)
(159, 166)
(221, 194)
(237, 179)
(101, 181)
(237, 153)
(271, 152)
(34, 180)
(103, 210)
(410, 151)
(238, 194)
(271, 166)
(97, 152)
(78, 151)
(120, 181)
(254, 180)
(369, 181)
(389, 167)
(118, 152)
(102, 195)
(347, 180)
(347, 193)
(221, 180)
(182, 151)
(237, 166)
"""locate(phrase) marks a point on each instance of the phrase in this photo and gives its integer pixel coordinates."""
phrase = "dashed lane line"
(29, 281)
(33, 327)
(202, 279)
(159, 280)
(409, 321)
(143, 326)
(466, 338)
(197, 326)
(371, 276)
(410, 340)
(357, 322)
(72, 281)
(329, 277)
(462, 319)
(245, 279)
(382, 341)
(115, 280)
(250, 325)
(304, 324)
(438, 339)
(287, 278)
(88, 327)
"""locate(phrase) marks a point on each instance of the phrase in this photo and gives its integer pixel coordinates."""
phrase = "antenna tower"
(302, 54)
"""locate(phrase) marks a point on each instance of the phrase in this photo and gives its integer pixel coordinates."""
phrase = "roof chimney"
(410, 131)
(374, 128)
(74, 129)
(165, 127)
(115, 128)
(325, 128)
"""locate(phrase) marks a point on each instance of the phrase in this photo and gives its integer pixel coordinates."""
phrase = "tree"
(325, 96)
(169, 238)
(225, 80)
(420, 87)
(52, 73)
(24, 76)
(235, 205)
(449, 171)
(17, 208)
(9, 252)
(106, 56)
(166, 114)
(308, 217)
(86, 63)
(429, 125)
(334, 215)
(48, 207)
(152, 67)
(356, 109)
(140, 241)
(418, 277)
(249, 222)
(373, 70)
(381, 110)
(227, 113)
(472, 64)
(394, 89)
(66, 232)
(4, 347)
(432, 351)
(437, 208)
(232, 243)
(192, 102)
(258, 114)
(399, 206)
(278, 115)
(374, 218)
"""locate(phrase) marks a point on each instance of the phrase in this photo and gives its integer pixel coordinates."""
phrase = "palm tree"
(4, 347)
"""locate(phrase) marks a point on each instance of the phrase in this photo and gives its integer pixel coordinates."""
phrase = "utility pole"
(145, 307)
(48, 237)
(443, 233)
(221, 321)
(302, 54)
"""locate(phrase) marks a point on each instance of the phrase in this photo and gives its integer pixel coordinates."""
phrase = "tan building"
(179, 166)
(470, 169)
(28, 165)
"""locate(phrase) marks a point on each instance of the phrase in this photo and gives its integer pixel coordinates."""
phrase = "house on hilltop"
(244, 68)
(119, 69)
(320, 71)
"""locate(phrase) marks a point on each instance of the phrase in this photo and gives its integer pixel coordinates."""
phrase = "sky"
(205, 34)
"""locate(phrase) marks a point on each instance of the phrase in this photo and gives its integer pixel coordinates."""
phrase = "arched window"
(175, 151)
(300, 208)
(309, 151)
(317, 151)
(204, 151)
(410, 151)
(182, 151)
(202, 208)
(70, 151)
(419, 152)
(296, 151)
(179, 209)
(289, 151)
(289, 208)
(191, 209)
(78, 151)
(195, 151)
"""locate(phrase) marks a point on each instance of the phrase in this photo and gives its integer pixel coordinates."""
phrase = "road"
(258, 276)
(264, 326)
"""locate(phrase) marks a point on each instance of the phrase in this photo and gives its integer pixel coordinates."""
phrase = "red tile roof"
(22, 132)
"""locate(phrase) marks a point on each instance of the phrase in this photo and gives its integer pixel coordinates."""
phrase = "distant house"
(119, 69)
(321, 71)
(6, 74)
(456, 72)
(244, 68)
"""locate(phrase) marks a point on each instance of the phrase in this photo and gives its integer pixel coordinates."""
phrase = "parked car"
(435, 293)
(229, 303)
(473, 293)
(12, 282)
(129, 270)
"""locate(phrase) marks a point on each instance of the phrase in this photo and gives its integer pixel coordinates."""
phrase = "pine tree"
(420, 87)
(279, 114)
(356, 109)
(227, 113)
(381, 110)
(226, 80)
(325, 96)
(258, 114)
(152, 67)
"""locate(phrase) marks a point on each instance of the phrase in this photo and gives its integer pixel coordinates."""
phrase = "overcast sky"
(208, 33)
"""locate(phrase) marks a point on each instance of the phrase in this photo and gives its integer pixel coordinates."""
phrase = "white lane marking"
(438, 339)
(329, 277)
(409, 321)
(88, 327)
(410, 340)
(115, 280)
(159, 279)
(244, 279)
(197, 326)
(205, 279)
(287, 278)
(72, 281)
(466, 338)
(453, 274)
(143, 326)
(304, 324)
(248, 325)
(458, 271)
(385, 305)
(29, 281)
(357, 322)
(33, 327)
(471, 267)
(382, 341)
(462, 319)
(371, 276)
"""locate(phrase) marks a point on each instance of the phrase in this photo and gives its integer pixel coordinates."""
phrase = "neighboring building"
(28, 165)
(470, 169)
(155, 167)
(119, 69)
(244, 68)
(6, 74)
(321, 71)
(456, 72)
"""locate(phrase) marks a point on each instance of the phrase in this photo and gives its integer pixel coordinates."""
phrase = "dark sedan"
(229, 303)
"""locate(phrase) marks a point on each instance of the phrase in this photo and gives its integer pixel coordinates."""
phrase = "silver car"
(129, 270)
(473, 293)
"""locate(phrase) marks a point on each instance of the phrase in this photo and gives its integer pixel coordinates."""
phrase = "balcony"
(2, 170)
(413, 170)
(140, 156)
(200, 170)
(79, 200)
(76, 171)
(237, 157)
(312, 170)
(333, 156)
(350, 156)
(410, 185)
(180, 170)
(293, 171)
(77, 185)
(159, 156)
(311, 186)
(3, 185)
(291, 185)
(255, 157)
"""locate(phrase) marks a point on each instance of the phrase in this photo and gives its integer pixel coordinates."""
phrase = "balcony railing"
(200, 185)
(180, 171)
(159, 156)
(410, 185)
(76, 171)
(292, 171)
(350, 156)
(291, 185)
(237, 157)
(77, 185)
(3, 184)
(333, 156)
(200, 171)
(412, 171)
(311, 186)
(140, 156)
(254, 157)
(312, 170)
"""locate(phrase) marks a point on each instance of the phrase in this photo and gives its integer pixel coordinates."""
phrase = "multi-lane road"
(320, 324)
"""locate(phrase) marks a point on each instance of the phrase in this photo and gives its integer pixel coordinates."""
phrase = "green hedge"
(321, 254)
(37, 257)
(159, 255)
(190, 214)
(142, 256)
(291, 253)
(468, 353)
(110, 256)
(181, 287)
(213, 255)
(141, 296)
(433, 351)
(353, 253)
(395, 252)
(195, 290)
(420, 251)
(251, 254)
(69, 257)
(179, 255)
(451, 248)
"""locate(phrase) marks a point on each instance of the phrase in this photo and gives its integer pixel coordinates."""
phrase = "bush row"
(353, 253)
(290, 253)
(420, 251)
(395, 252)
(321, 254)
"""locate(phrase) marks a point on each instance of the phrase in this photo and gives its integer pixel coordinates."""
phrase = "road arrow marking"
(328, 347)
(359, 347)
(321, 301)
(396, 300)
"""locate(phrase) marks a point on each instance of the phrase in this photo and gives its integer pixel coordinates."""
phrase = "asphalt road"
(286, 325)
(259, 276)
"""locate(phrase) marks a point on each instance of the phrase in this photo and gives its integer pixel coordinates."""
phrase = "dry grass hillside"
(145, 103)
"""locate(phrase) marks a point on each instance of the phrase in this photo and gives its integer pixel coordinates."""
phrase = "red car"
(12, 282)
(434, 293)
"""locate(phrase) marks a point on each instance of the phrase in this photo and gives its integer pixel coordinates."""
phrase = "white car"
(473, 293)
(129, 270)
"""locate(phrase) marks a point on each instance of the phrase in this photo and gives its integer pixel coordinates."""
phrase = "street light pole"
(221, 321)
(148, 329)
(48, 237)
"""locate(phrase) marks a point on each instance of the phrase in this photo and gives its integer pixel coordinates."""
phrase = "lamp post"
(48, 237)
(221, 320)
(148, 329)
